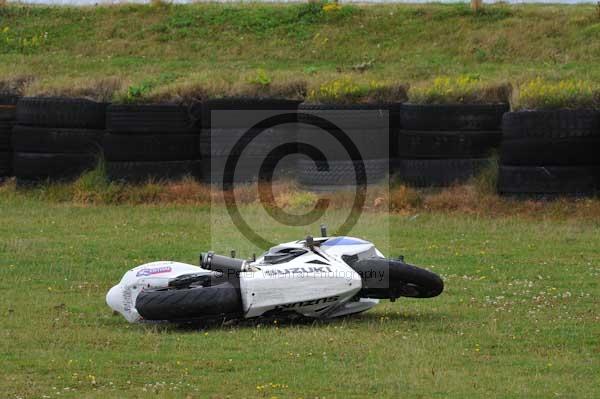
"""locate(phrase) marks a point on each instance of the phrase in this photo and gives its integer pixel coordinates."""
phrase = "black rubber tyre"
(35, 166)
(431, 144)
(154, 147)
(551, 124)
(247, 169)
(5, 135)
(8, 107)
(218, 142)
(438, 172)
(368, 126)
(269, 107)
(150, 119)
(387, 278)
(189, 303)
(61, 112)
(356, 116)
(340, 173)
(571, 180)
(470, 117)
(5, 164)
(152, 170)
(56, 140)
(571, 151)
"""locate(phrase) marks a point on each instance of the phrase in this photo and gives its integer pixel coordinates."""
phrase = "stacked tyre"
(227, 134)
(8, 108)
(439, 145)
(550, 152)
(151, 142)
(360, 150)
(56, 138)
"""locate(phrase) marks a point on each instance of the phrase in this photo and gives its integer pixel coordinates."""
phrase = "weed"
(11, 41)
(465, 89)
(347, 90)
(486, 181)
(543, 94)
(261, 78)
(141, 91)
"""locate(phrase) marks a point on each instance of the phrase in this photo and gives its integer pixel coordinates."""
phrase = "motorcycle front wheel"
(389, 279)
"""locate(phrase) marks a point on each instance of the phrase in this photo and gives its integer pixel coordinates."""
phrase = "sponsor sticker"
(154, 270)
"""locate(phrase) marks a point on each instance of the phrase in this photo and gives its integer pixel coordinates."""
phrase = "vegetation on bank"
(318, 51)
(476, 197)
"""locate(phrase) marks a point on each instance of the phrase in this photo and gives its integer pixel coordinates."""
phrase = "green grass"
(150, 49)
(519, 317)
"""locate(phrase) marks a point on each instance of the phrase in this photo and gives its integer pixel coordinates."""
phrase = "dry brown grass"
(15, 85)
(257, 84)
(97, 89)
(465, 199)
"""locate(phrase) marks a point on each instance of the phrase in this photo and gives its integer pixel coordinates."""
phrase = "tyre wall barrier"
(372, 128)
(439, 145)
(8, 110)
(550, 152)
(222, 130)
(151, 142)
(541, 152)
(56, 138)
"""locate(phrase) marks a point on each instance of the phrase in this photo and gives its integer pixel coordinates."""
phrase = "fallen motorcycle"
(322, 278)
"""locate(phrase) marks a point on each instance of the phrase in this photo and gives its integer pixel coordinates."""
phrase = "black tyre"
(340, 173)
(150, 119)
(218, 142)
(156, 170)
(387, 278)
(56, 140)
(438, 172)
(471, 117)
(570, 151)
(431, 144)
(358, 116)
(247, 169)
(5, 135)
(36, 166)
(153, 147)
(572, 180)
(260, 106)
(61, 112)
(8, 107)
(551, 124)
(367, 126)
(189, 303)
(5, 163)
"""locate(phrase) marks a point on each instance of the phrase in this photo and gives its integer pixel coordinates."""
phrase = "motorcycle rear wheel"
(190, 303)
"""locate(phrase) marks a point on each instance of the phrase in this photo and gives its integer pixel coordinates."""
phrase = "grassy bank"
(520, 306)
(137, 51)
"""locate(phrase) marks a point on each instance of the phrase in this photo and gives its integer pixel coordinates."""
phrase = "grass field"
(149, 51)
(520, 316)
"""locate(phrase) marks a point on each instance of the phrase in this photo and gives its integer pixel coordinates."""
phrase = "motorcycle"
(322, 278)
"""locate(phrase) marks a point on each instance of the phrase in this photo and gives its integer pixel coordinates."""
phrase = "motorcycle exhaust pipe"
(211, 261)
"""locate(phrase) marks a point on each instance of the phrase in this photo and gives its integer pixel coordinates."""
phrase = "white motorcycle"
(323, 278)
